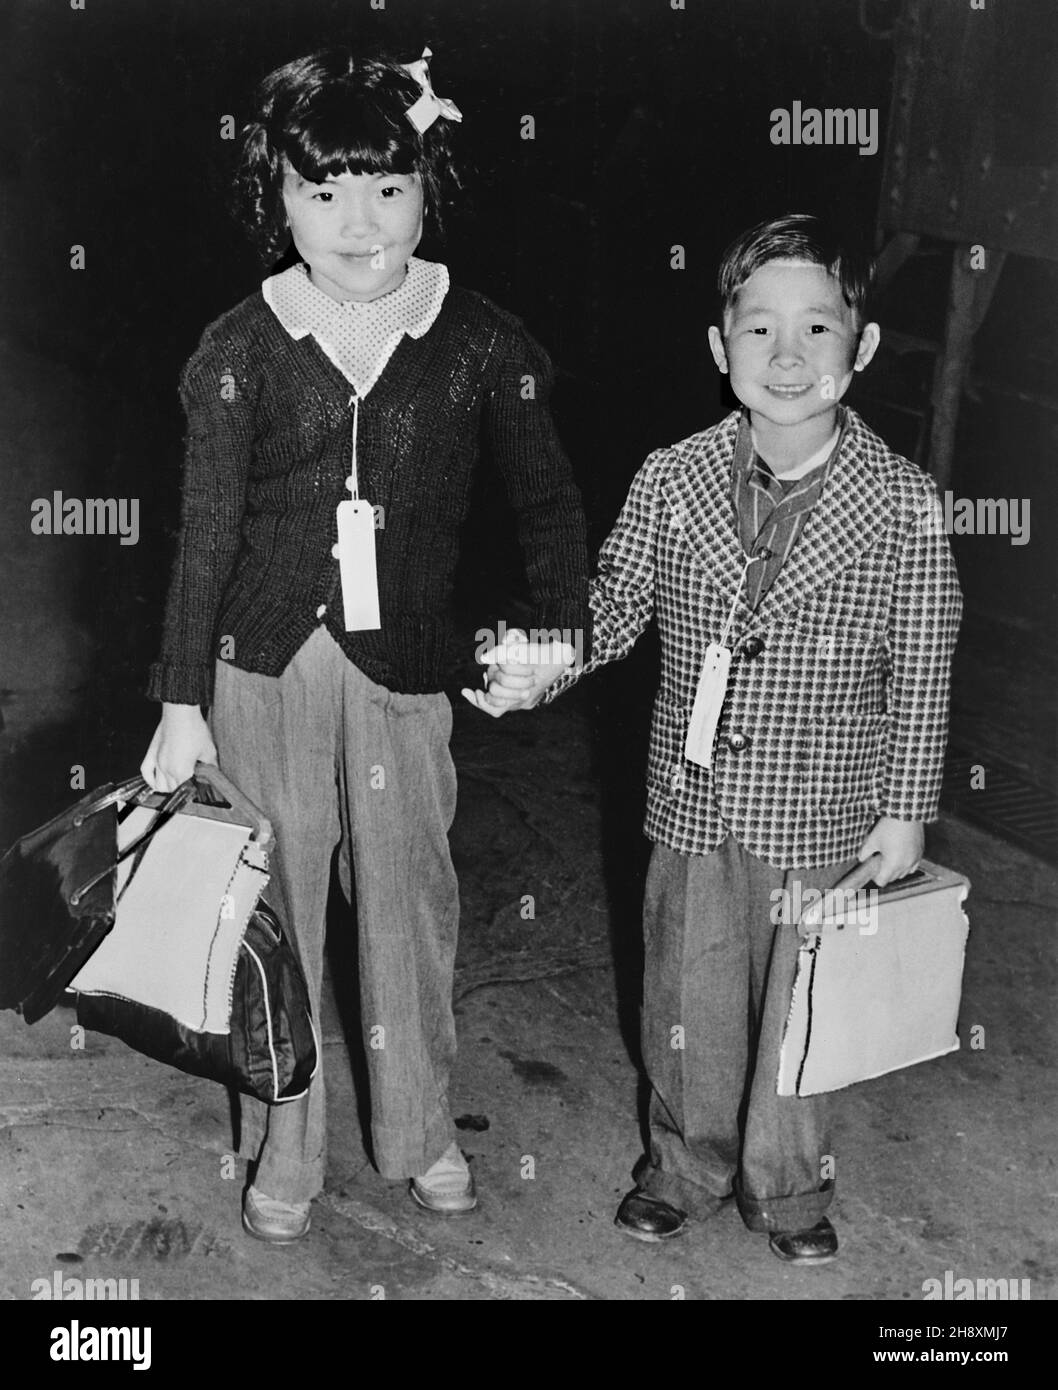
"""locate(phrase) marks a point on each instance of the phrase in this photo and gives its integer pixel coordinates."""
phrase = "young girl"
(333, 430)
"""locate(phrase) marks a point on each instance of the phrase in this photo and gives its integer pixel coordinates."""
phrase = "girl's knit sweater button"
(334, 550)
(321, 610)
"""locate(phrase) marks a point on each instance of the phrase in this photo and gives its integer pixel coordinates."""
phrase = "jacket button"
(736, 742)
(751, 647)
(321, 610)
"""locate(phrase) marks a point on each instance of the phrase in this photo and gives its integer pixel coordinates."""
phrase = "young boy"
(791, 537)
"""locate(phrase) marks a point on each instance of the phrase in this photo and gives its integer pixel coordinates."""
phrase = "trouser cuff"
(795, 1213)
(686, 1196)
(288, 1180)
(398, 1155)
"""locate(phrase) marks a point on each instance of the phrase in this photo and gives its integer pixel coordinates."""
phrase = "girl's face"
(355, 232)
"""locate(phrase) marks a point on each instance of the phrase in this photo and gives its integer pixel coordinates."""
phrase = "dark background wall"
(652, 130)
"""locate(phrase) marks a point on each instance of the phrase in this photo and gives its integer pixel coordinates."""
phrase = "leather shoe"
(816, 1246)
(280, 1223)
(649, 1218)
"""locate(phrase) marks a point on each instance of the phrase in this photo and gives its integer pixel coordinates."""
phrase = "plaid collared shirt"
(771, 511)
(837, 702)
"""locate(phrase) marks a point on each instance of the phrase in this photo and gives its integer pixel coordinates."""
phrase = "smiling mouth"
(789, 392)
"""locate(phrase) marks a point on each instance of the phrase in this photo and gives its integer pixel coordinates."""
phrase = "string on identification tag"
(355, 551)
(712, 686)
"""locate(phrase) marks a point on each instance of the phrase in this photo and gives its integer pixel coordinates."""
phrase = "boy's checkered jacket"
(837, 702)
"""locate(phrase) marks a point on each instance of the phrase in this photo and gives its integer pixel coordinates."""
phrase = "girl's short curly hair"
(333, 112)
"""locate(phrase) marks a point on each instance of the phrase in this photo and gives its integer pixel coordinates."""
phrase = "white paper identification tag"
(356, 563)
(708, 702)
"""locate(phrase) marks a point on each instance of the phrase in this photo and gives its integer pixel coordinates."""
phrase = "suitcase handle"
(207, 773)
(212, 788)
(211, 774)
(853, 881)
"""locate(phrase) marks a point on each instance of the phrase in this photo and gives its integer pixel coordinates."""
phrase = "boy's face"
(790, 343)
(355, 232)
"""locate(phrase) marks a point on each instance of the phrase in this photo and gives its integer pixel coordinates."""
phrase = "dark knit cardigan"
(268, 452)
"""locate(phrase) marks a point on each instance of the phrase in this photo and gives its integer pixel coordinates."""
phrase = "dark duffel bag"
(271, 1049)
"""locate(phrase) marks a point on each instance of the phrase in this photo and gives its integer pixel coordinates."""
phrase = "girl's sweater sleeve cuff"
(180, 685)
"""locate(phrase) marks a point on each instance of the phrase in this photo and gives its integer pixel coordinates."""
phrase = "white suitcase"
(880, 990)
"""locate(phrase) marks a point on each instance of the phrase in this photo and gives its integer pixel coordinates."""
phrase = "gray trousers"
(332, 758)
(718, 981)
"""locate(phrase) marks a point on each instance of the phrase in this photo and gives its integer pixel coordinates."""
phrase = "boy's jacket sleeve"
(622, 593)
(923, 627)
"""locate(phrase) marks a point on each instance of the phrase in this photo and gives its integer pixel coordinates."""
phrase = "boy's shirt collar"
(359, 338)
(770, 510)
(747, 467)
(746, 447)
(820, 456)
(850, 516)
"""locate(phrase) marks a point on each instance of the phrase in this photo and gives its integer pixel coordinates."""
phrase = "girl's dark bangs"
(357, 140)
(316, 163)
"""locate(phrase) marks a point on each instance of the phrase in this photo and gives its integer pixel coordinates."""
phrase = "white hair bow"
(426, 110)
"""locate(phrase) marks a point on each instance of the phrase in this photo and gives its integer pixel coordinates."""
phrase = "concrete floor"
(113, 1166)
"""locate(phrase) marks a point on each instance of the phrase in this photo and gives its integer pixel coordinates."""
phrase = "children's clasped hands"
(519, 673)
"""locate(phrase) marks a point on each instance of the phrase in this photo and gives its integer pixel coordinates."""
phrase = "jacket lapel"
(700, 499)
(842, 525)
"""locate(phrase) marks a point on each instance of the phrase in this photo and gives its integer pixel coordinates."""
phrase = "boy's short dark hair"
(329, 113)
(798, 236)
